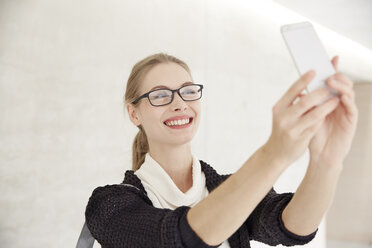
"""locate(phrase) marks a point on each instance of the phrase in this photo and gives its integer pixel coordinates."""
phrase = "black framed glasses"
(161, 97)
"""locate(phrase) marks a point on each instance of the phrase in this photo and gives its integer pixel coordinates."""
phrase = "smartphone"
(308, 53)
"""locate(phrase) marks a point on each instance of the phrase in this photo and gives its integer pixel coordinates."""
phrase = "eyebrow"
(166, 87)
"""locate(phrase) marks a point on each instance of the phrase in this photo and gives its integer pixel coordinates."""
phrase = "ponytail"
(139, 149)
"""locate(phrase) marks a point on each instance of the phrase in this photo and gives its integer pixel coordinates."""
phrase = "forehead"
(171, 75)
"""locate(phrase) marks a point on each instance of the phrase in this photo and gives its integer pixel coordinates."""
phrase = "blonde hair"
(140, 144)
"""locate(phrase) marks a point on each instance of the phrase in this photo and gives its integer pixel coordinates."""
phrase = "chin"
(181, 140)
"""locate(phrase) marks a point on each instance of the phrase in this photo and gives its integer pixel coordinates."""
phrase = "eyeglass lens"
(164, 96)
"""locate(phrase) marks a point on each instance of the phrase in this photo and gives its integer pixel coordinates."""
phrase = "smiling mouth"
(190, 121)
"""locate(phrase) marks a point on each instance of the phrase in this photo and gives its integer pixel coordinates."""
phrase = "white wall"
(331, 13)
(64, 65)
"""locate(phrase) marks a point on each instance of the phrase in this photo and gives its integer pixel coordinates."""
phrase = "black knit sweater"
(123, 216)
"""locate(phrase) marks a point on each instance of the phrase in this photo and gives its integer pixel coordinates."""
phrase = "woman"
(172, 199)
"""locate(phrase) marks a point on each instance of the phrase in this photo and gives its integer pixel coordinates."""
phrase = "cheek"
(154, 117)
(197, 108)
(151, 115)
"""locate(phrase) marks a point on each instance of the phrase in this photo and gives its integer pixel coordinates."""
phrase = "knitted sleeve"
(265, 223)
(121, 216)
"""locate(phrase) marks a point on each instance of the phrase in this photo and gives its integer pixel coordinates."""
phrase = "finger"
(341, 87)
(335, 62)
(350, 107)
(344, 79)
(296, 89)
(309, 101)
(298, 98)
(317, 114)
(312, 130)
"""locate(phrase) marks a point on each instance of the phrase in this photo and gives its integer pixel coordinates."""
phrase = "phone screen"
(308, 53)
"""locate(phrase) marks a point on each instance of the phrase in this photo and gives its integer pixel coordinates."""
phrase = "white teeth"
(178, 122)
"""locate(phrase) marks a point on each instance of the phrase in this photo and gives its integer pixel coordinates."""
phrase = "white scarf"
(164, 193)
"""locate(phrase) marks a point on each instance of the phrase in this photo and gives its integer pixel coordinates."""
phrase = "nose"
(178, 102)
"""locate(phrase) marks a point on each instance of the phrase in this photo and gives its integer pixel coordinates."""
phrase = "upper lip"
(181, 117)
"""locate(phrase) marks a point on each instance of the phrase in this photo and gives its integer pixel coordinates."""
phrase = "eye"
(160, 96)
(189, 92)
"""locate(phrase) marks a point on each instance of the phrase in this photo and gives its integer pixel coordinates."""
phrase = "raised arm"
(328, 149)
(236, 198)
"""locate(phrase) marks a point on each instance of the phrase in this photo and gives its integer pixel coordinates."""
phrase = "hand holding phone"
(308, 53)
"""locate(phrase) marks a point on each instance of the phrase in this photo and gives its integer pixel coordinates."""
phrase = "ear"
(133, 114)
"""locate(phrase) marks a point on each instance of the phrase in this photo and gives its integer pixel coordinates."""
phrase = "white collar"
(159, 184)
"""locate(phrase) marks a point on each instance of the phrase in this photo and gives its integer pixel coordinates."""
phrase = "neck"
(176, 161)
